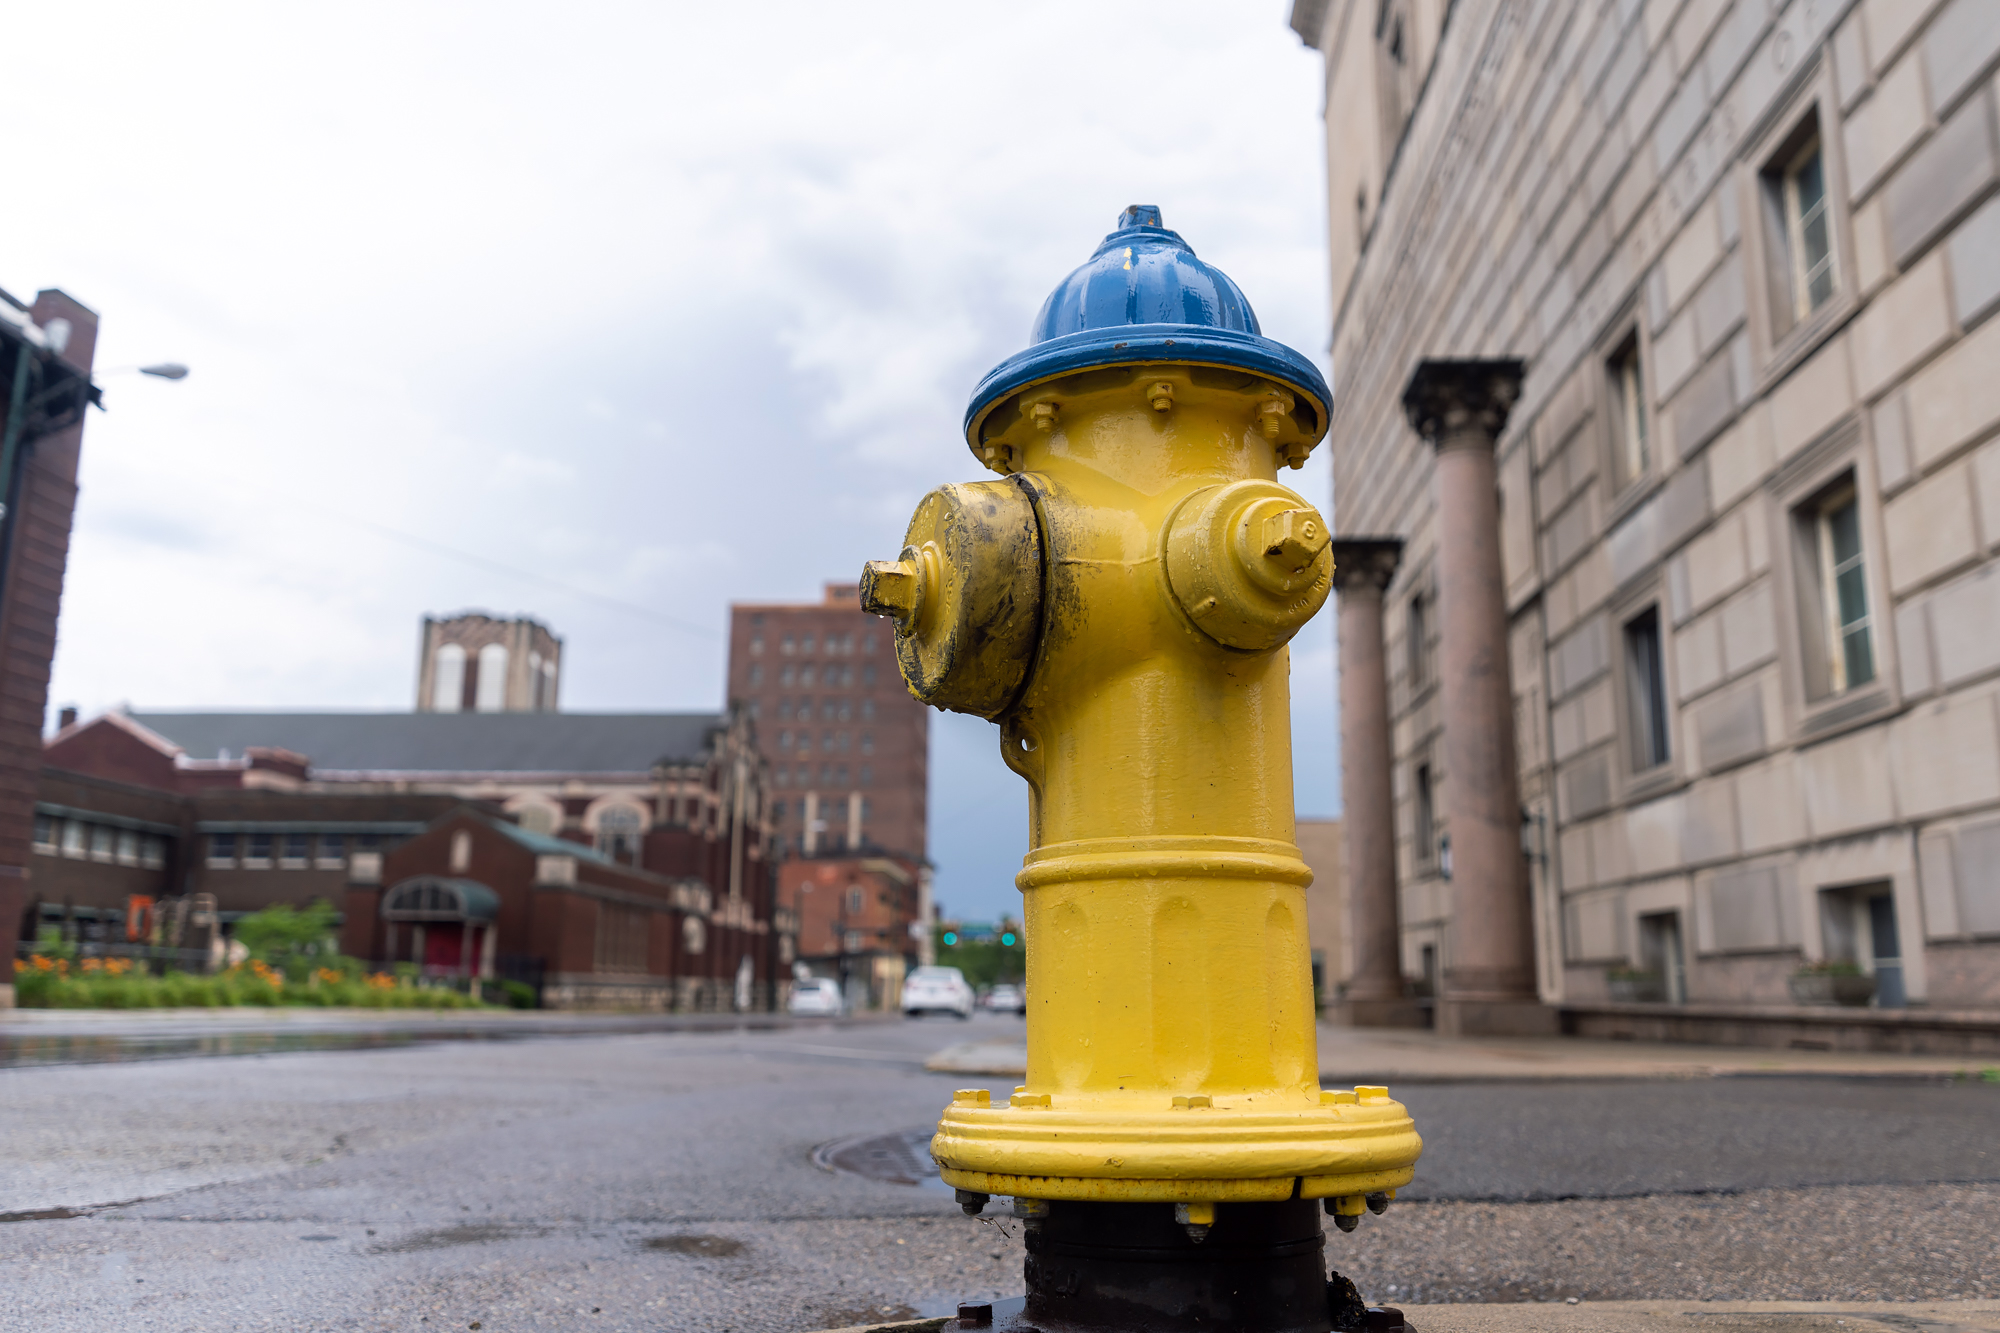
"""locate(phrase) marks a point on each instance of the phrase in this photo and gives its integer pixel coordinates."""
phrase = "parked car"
(1006, 998)
(816, 995)
(937, 990)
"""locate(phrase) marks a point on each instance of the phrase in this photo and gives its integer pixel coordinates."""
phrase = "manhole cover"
(903, 1158)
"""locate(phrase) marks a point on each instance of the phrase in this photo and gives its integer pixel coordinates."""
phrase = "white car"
(1006, 999)
(816, 995)
(937, 990)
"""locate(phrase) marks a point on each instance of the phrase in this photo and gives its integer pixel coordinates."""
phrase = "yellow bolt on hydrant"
(1120, 601)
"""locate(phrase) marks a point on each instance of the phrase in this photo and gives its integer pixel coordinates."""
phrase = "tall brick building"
(1743, 583)
(46, 351)
(847, 745)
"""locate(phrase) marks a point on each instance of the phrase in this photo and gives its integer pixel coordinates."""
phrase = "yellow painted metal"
(1171, 1045)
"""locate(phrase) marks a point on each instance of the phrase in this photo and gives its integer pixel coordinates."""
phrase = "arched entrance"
(448, 927)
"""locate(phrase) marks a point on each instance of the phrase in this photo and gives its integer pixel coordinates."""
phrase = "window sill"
(1840, 714)
(1792, 348)
(1654, 782)
(1630, 497)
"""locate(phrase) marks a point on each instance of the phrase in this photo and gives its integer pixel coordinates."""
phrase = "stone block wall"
(1583, 177)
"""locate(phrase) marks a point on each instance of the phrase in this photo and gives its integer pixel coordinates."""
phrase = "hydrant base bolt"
(1345, 1221)
(1162, 394)
(1197, 1218)
(971, 1201)
(1044, 415)
(1378, 1204)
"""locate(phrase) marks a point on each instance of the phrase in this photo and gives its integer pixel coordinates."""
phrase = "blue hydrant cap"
(1145, 297)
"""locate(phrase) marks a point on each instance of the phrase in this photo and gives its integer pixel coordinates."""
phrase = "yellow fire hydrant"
(1120, 602)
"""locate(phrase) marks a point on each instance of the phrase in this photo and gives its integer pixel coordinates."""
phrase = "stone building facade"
(848, 746)
(1745, 492)
(473, 662)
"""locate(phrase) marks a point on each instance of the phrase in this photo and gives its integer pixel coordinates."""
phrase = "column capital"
(1447, 399)
(1365, 562)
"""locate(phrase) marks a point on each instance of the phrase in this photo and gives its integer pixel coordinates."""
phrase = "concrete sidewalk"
(1656, 1317)
(1391, 1055)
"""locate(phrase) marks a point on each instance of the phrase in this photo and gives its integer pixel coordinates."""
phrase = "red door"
(442, 945)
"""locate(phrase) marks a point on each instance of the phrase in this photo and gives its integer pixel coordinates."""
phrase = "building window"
(806, 674)
(1808, 230)
(45, 835)
(298, 850)
(618, 830)
(622, 937)
(756, 646)
(103, 844)
(1393, 46)
(1419, 632)
(1798, 226)
(788, 647)
(152, 852)
(854, 900)
(868, 643)
(1631, 447)
(332, 851)
(868, 742)
(1646, 690)
(807, 645)
(1838, 629)
(756, 674)
(221, 850)
(1426, 817)
(867, 775)
(448, 679)
(492, 691)
(128, 847)
(257, 855)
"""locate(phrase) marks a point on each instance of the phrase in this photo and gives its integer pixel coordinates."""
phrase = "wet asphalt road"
(664, 1181)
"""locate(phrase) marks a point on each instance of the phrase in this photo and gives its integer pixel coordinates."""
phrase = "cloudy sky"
(608, 313)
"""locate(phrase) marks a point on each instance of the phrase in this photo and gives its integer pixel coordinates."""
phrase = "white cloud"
(609, 295)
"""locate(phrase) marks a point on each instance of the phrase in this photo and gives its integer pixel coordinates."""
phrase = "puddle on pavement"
(443, 1238)
(708, 1247)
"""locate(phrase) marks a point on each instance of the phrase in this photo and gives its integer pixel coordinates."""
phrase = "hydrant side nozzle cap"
(1144, 296)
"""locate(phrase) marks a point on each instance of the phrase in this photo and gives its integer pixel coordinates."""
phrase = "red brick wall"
(29, 602)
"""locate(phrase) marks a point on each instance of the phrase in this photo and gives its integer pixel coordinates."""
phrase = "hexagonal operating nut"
(1295, 537)
(893, 588)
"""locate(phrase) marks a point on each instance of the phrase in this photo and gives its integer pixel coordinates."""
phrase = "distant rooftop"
(449, 742)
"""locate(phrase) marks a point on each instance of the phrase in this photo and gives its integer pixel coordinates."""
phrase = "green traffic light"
(950, 938)
(1008, 939)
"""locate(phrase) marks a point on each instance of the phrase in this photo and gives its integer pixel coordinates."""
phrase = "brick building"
(859, 921)
(46, 350)
(645, 834)
(1726, 549)
(847, 744)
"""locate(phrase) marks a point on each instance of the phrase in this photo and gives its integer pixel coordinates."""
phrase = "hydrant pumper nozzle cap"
(1144, 296)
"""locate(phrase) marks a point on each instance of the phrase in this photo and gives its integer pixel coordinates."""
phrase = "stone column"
(1362, 570)
(1460, 408)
